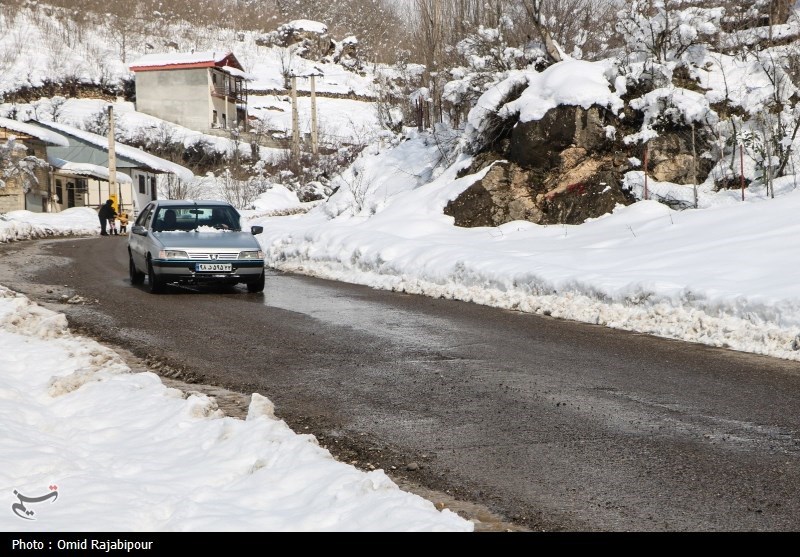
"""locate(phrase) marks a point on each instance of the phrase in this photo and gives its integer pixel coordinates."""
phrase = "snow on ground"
(24, 225)
(111, 450)
(338, 120)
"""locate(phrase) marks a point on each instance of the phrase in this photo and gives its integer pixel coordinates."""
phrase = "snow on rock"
(306, 25)
(571, 82)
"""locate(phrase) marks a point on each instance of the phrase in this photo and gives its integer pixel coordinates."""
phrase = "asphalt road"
(550, 424)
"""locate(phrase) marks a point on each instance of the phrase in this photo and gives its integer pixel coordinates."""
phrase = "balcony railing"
(235, 94)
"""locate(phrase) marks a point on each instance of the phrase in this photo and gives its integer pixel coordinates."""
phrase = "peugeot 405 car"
(194, 242)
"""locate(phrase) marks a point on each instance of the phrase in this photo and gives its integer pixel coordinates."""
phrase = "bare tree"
(170, 186)
(18, 167)
(536, 14)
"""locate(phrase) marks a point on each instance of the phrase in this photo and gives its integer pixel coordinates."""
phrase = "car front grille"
(205, 256)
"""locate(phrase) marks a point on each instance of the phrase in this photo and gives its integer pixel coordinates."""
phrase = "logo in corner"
(27, 513)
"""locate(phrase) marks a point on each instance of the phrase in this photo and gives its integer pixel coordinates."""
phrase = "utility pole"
(694, 167)
(112, 160)
(295, 122)
(314, 138)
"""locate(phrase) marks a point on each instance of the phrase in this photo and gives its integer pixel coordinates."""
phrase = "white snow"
(86, 169)
(176, 58)
(34, 131)
(307, 25)
(570, 82)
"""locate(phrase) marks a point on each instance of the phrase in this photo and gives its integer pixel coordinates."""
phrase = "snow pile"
(179, 58)
(24, 225)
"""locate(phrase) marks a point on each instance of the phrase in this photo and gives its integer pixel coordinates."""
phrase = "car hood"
(209, 240)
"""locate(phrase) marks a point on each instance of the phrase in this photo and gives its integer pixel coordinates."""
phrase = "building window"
(224, 122)
(152, 187)
(214, 121)
(59, 192)
(213, 78)
(142, 188)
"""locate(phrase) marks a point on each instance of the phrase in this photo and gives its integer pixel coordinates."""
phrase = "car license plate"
(214, 267)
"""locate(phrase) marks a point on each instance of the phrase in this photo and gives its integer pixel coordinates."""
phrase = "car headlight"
(251, 254)
(172, 254)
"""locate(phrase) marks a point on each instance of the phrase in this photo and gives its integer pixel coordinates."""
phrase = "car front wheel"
(137, 277)
(156, 284)
(257, 286)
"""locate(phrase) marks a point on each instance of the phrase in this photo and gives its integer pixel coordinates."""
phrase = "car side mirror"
(256, 230)
(138, 229)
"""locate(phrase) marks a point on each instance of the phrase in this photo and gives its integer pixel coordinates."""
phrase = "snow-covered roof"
(42, 134)
(180, 60)
(235, 72)
(86, 169)
(147, 160)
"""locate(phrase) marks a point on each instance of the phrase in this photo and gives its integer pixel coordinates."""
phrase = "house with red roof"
(198, 90)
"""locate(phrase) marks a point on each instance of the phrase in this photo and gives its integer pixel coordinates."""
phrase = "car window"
(166, 219)
(223, 217)
(142, 219)
(191, 217)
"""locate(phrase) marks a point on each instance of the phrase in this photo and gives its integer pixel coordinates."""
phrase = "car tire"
(257, 286)
(156, 284)
(137, 277)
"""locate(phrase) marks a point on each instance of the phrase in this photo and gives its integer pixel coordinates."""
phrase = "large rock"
(310, 37)
(670, 157)
(539, 142)
(502, 195)
(580, 188)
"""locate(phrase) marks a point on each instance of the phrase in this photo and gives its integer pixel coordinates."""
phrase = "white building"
(200, 90)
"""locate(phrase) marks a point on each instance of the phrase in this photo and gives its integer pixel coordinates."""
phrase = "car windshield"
(194, 217)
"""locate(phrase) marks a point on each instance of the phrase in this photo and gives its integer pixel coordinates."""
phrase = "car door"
(138, 242)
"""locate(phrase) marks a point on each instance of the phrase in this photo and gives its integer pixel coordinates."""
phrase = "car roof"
(184, 202)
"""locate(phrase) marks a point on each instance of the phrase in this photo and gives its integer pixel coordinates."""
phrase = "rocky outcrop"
(579, 188)
(539, 142)
(310, 38)
(560, 169)
(502, 195)
(671, 160)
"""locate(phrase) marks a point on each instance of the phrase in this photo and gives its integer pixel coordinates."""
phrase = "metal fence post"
(644, 196)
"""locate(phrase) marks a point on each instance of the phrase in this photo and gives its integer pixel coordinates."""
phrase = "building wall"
(224, 105)
(96, 192)
(177, 96)
(144, 190)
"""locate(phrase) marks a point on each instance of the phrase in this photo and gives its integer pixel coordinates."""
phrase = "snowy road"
(555, 425)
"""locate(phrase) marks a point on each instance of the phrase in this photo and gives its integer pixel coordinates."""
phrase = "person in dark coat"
(105, 213)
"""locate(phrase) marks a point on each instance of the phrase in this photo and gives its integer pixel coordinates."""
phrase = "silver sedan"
(194, 242)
